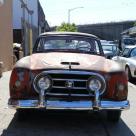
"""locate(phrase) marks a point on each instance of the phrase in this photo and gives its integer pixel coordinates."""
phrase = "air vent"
(70, 63)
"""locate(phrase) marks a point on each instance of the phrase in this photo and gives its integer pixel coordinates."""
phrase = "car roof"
(68, 33)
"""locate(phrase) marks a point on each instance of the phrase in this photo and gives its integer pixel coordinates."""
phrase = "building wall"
(18, 13)
(26, 27)
(107, 31)
(25, 24)
(6, 36)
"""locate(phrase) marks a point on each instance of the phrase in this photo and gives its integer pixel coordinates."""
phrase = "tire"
(113, 115)
(128, 73)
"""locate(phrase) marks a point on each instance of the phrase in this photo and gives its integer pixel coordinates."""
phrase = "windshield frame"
(87, 38)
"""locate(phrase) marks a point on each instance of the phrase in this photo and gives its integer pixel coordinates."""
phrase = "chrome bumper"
(66, 105)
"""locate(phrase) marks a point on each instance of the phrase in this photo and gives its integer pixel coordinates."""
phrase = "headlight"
(42, 82)
(94, 84)
(97, 83)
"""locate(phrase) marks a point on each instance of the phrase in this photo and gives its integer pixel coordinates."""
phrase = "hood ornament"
(69, 84)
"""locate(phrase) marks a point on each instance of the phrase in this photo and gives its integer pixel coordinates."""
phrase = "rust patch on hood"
(55, 60)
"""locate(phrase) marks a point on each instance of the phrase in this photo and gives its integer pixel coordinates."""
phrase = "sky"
(92, 11)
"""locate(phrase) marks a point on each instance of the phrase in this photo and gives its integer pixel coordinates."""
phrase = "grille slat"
(75, 88)
(62, 94)
(59, 79)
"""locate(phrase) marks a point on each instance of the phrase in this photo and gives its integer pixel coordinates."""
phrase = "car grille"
(69, 83)
(60, 84)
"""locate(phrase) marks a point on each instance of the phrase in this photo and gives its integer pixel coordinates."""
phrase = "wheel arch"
(130, 71)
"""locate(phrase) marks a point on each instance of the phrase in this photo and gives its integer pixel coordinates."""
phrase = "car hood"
(59, 60)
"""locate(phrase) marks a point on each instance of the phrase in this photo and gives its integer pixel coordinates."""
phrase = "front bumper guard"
(66, 105)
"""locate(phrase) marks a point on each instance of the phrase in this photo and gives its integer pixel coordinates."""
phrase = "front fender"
(132, 68)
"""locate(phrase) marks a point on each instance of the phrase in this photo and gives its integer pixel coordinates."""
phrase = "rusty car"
(68, 71)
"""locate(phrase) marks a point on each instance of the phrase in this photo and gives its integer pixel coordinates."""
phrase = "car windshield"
(109, 47)
(129, 41)
(67, 43)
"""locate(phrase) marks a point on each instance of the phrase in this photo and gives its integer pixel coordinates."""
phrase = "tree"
(66, 27)
(135, 24)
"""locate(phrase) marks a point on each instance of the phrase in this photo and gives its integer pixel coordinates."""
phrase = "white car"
(110, 49)
(127, 60)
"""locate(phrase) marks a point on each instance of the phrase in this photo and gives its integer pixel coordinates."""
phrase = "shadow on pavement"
(133, 81)
(65, 124)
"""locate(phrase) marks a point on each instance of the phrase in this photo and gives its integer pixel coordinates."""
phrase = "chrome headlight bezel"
(100, 81)
(42, 76)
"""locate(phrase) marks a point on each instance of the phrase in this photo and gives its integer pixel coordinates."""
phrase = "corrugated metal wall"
(107, 31)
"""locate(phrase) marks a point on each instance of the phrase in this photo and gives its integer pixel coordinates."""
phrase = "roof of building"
(68, 33)
(130, 31)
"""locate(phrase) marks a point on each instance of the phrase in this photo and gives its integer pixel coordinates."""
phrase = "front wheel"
(113, 115)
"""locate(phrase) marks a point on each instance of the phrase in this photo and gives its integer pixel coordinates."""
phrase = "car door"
(124, 57)
(132, 62)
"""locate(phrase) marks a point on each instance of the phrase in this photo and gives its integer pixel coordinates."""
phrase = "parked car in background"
(126, 41)
(127, 60)
(68, 71)
(110, 49)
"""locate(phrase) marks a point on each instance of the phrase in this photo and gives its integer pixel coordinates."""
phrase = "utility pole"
(23, 5)
(30, 12)
(31, 31)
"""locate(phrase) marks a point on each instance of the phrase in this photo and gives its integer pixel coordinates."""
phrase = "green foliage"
(135, 24)
(66, 27)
